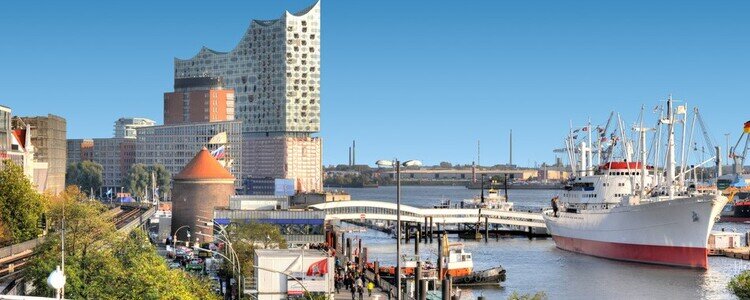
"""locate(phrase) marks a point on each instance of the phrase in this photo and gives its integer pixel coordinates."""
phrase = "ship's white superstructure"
(625, 210)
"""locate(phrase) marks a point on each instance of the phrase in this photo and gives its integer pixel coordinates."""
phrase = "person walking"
(370, 286)
(354, 291)
(361, 291)
(359, 282)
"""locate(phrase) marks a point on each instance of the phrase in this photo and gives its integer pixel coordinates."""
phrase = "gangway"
(381, 210)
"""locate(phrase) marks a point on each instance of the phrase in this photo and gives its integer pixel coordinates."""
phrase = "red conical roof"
(203, 166)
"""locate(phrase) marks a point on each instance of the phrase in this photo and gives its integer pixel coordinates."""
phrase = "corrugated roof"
(203, 166)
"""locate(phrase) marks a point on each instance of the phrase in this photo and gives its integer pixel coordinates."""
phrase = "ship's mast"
(657, 145)
(642, 146)
(589, 161)
(682, 147)
(670, 163)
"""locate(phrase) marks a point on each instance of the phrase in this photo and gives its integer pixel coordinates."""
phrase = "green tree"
(87, 175)
(138, 180)
(740, 285)
(21, 207)
(101, 263)
(163, 179)
(446, 165)
(245, 238)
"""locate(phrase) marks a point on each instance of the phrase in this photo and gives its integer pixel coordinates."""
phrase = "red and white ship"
(624, 210)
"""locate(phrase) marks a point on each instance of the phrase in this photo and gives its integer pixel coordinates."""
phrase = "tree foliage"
(446, 165)
(21, 207)
(138, 179)
(87, 175)
(101, 263)
(740, 285)
(245, 238)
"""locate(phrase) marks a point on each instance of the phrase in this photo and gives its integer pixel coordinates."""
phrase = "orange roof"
(203, 166)
(20, 136)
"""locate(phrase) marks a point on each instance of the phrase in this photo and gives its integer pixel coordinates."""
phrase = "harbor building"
(173, 146)
(202, 185)
(198, 100)
(80, 150)
(48, 136)
(126, 127)
(16, 146)
(5, 129)
(274, 72)
(459, 174)
(303, 157)
(116, 155)
(299, 227)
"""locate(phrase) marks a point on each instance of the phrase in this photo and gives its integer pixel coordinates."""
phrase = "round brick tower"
(202, 185)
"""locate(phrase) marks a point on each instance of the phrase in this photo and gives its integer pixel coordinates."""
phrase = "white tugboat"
(624, 210)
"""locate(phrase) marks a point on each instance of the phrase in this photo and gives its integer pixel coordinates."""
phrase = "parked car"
(175, 265)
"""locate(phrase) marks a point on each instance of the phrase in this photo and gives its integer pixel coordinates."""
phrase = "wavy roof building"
(274, 71)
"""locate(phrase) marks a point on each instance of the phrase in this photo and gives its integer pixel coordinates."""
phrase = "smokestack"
(350, 156)
(354, 153)
(511, 148)
(479, 162)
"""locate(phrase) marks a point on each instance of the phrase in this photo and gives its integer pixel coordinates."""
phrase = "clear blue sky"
(411, 79)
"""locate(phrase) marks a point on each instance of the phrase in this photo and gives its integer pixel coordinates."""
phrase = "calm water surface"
(536, 265)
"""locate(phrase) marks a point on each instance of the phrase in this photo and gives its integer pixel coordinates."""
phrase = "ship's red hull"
(655, 254)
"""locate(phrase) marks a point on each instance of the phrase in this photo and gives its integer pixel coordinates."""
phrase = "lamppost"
(223, 233)
(174, 238)
(235, 265)
(397, 164)
(56, 280)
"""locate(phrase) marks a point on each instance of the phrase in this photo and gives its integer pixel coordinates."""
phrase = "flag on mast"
(219, 153)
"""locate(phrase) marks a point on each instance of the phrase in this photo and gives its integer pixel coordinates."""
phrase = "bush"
(536, 296)
(740, 285)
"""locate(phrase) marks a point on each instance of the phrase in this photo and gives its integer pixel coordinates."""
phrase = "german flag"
(747, 127)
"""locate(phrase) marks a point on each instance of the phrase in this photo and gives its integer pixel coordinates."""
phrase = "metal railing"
(20, 247)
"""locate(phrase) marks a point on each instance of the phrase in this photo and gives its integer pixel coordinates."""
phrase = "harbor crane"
(739, 159)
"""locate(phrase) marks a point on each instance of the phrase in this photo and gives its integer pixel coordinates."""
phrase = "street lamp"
(397, 164)
(56, 280)
(223, 233)
(174, 240)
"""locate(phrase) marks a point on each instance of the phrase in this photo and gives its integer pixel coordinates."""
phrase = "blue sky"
(408, 79)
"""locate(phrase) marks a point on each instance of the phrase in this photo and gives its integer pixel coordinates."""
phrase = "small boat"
(493, 200)
(458, 264)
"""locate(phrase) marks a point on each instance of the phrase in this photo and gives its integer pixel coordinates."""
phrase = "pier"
(426, 220)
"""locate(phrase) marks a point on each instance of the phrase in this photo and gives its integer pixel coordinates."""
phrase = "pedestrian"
(353, 290)
(361, 291)
(359, 282)
(370, 286)
(554, 206)
(337, 285)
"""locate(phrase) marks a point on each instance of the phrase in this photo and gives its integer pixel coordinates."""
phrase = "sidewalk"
(377, 294)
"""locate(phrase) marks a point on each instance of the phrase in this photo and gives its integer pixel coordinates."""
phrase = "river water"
(535, 265)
